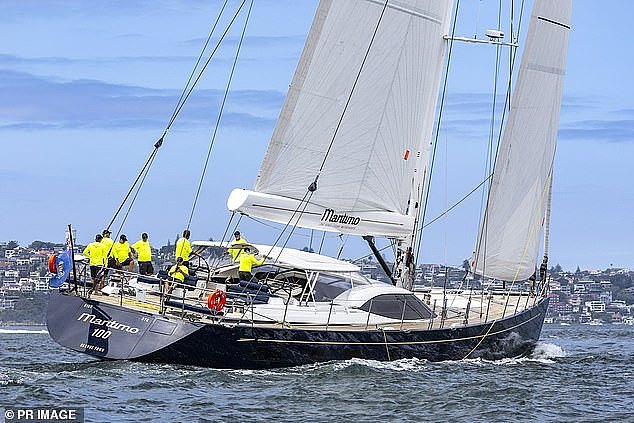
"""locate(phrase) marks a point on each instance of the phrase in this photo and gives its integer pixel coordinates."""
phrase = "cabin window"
(391, 306)
(329, 286)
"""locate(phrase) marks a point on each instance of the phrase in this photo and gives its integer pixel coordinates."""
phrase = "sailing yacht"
(351, 154)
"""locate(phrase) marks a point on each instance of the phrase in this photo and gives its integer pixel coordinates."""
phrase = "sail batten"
(389, 103)
(508, 242)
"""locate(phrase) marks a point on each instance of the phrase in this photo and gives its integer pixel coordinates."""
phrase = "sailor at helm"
(247, 260)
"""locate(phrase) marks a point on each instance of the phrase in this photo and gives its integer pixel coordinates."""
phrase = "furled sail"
(375, 160)
(509, 239)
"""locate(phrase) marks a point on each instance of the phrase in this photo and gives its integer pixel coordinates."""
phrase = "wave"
(405, 364)
(543, 353)
(23, 331)
(547, 351)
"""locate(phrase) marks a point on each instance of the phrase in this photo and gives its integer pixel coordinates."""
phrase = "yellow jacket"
(247, 261)
(107, 243)
(143, 250)
(183, 248)
(121, 251)
(235, 252)
(96, 252)
(179, 272)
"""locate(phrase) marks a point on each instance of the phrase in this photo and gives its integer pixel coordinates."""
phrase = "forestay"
(378, 155)
(509, 239)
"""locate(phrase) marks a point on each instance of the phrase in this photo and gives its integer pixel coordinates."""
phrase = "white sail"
(508, 243)
(379, 151)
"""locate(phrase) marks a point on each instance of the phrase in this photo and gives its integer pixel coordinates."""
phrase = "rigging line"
(548, 207)
(444, 225)
(456, 204)
(356, 80)
(202, 52)
(202, 70)
(343, 245)
(442, 102)
(309, 194)
(222, 107)
(489, 159)
(238, 223)
(310, 243)
(125, 217)
(143, 169)
(289, 221)
(177, 110)
(258, 221)
(507, 102)
(216, 260)
(321, 244)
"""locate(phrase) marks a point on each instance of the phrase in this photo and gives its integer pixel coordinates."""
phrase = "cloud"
(33, 102)
(253, 41)
(14, 10)
(599, 130)
(467, 115)
(12, 61)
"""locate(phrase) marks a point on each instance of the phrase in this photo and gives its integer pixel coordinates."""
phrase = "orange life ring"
(51, 263)
(216, 300)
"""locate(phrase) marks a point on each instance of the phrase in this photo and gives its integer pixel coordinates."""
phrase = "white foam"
(547, 351)
(405, 364)
(543, 353)
(23, 331)
(6, 382)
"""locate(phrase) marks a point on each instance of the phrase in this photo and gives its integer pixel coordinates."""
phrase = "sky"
(88, 87)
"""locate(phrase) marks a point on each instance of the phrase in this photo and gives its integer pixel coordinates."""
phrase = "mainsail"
(508, 242)
(375, 160)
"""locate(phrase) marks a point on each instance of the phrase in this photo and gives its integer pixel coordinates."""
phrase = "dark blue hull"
(113, 332)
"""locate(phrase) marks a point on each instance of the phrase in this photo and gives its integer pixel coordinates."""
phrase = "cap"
(236, 233)
(179, 260)
(106, 231)
(98, 237)
(123, 237)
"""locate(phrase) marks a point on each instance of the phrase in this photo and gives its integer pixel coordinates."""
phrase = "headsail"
(509, 239)
(380, 150)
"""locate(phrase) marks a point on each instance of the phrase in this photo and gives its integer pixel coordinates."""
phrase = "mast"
(405, 263)
(543, 268)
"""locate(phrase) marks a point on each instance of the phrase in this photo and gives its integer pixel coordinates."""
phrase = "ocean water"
(578, 373)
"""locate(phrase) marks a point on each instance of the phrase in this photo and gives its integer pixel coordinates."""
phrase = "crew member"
(144, 255)
(184, 248)
(97, 254)
(179, 272)
(235, 252)
(122, 254)
(247, 260)
(108, 242)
